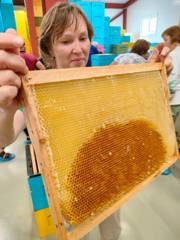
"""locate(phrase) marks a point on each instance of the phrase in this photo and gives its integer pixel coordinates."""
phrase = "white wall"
(166, 11)
(111, 13)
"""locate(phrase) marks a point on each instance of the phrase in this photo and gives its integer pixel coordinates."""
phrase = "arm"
(160, 54)
(12, 66)
(10, 126)
(114, 63)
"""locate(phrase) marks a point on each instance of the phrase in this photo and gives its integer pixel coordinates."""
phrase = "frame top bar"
(70, 74)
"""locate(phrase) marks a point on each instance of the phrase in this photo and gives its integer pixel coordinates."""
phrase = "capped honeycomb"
(105, 136)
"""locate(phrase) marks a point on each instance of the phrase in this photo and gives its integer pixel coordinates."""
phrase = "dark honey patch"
(110, 164)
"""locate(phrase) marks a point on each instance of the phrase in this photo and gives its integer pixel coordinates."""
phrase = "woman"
(171, 38)
(138, 54)
(65, 41)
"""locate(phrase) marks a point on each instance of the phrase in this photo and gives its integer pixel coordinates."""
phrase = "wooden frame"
(39, 139)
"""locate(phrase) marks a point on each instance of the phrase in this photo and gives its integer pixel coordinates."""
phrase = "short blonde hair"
(54, 23)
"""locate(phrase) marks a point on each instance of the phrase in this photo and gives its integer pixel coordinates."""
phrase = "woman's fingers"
(13, 62)
(11, 31)
(10, 44)
(165, 51)
(12, 66)
(155, 56)
(10, 78)
(7, 96)
(160, 54)
(10, 41)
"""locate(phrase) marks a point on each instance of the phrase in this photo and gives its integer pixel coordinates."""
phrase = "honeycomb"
(115, 160)
(105, 136)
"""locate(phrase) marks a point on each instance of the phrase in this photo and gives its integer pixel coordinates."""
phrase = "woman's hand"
(160, 54)
(12, 67)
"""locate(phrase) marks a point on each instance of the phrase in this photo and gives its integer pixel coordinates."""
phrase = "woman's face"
(71, 49)
(167, 41)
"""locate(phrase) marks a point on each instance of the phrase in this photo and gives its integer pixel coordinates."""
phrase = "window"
(149, 26)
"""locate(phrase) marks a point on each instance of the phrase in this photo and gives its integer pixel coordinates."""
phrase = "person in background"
(171, 38)
(6, 156)
(41, 65)
(93, 50)
(32, 62)
(138, 54)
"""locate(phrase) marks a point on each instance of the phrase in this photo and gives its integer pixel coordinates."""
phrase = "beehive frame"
(39, 138)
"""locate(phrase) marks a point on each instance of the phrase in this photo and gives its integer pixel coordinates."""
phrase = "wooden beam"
(125, 18)
(120, 5)
(46, 4)
(18, 2)
(115, 5)
(130, 2)
(32, 26)
(116, 16)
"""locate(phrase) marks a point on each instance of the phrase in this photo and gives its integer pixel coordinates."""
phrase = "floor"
(153, 214)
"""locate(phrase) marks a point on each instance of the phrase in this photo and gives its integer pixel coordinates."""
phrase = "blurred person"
(138, 54)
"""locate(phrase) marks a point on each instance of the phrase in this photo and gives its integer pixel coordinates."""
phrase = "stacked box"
(42, 215)
(107, 25)
(1, 23)
(119, 49)
(97, 16)
(86, 8)
(102, 59)
(43, 218)
(115, 36)
(7, 12)
(73, 1)
(38, 194)
(107, 49)
(115, 40)
(107, 39)
(125, 39)
(95, 13)
(115, 31)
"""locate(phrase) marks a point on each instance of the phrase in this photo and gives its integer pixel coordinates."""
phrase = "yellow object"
(130, 45)
(22, 28)
(44, 223)
(100, 135)
(123, 31)
(37, 4)
(105, 136)
(37, 7)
